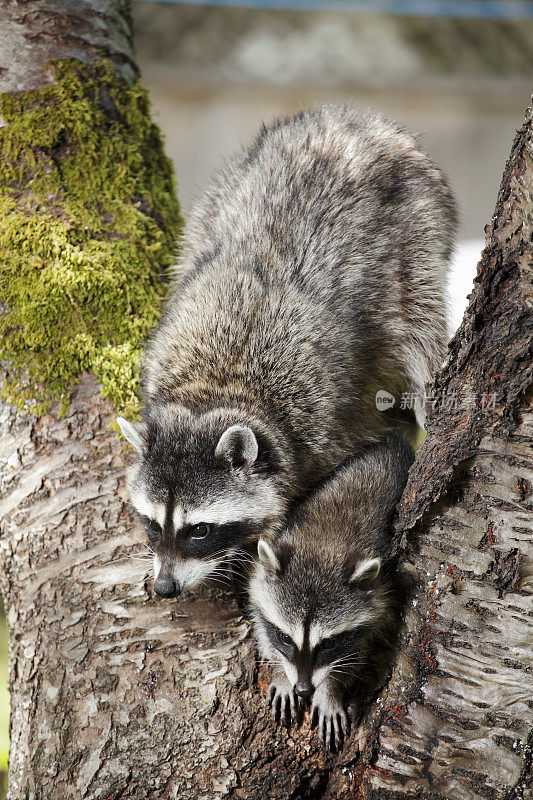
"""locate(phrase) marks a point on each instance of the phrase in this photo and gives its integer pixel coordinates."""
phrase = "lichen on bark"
(89, 227)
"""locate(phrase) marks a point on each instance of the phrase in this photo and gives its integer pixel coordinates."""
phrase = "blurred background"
(459, 72)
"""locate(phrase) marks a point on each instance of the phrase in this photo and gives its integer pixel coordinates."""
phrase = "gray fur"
(318, 581)
(312, 275)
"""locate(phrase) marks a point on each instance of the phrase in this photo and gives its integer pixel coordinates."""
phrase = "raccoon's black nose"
(166, 586)
(304, 689)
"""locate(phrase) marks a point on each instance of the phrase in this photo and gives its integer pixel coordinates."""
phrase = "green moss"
(88, 226)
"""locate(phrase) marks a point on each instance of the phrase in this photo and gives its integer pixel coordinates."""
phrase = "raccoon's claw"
(282, 701)
(333, 722)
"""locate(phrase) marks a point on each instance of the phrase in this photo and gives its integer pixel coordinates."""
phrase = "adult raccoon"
(312, 275)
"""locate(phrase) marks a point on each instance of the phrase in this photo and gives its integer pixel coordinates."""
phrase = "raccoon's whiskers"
(344, 663)
(241, 555)
(127, 563)
(220, 581)
(271, 662)
(347, 666)
(222, 568)
(352, 657)
(143, 543)
(351, 676)
(240, 562)
(147, 556)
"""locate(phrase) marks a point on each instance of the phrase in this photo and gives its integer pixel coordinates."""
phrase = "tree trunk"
(117, 694)
(33, 34)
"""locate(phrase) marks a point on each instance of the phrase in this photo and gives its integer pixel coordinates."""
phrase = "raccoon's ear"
(238, 446)
(133, 434)
(366, 571)
(267, 556)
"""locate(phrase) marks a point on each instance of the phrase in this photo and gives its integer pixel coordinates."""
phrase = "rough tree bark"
(117, 694)
(37, 32)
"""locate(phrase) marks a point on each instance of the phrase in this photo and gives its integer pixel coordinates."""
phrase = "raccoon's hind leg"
(282, 700)
(329, 712)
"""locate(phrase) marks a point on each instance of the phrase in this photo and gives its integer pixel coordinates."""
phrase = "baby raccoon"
(312, 276)
(321, 593)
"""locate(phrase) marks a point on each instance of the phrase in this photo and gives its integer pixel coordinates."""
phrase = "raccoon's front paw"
(329, 712)
(282, 701)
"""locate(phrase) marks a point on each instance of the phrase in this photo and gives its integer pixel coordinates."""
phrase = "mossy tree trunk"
(116, 694)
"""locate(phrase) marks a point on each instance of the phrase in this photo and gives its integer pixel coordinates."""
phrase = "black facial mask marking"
(153, 530)
(281, 641)
(335, 647)
(218, 538)
(306, 660)
(201, 540)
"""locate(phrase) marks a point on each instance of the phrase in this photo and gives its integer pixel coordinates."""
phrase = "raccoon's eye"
(285, 638)
(328, 644)
(200, 531)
